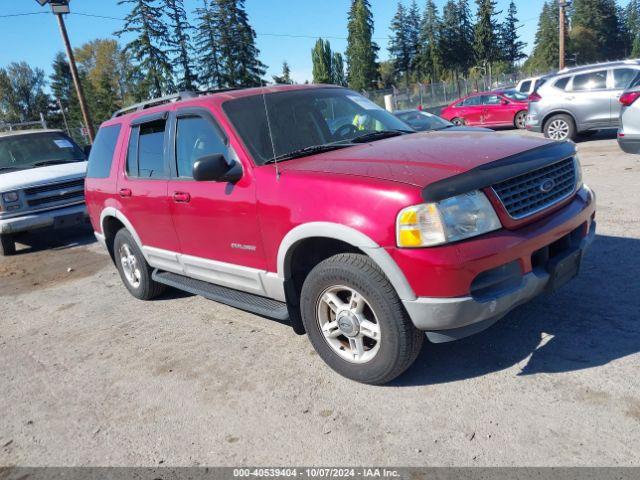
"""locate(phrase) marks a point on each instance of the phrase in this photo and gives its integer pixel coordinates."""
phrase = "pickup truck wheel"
(356, 322)
(134, 269)
(7, 245)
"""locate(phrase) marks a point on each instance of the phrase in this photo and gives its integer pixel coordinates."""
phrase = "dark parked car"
(425, 121)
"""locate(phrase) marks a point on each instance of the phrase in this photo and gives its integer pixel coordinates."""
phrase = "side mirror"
(87, 150)
(214, 168)
(504, 101)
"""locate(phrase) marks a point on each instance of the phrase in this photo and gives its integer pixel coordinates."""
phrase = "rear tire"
(7, 245)
(520, 120)
(356, 322)
(458, 121)
(134, 269)
(560, 127)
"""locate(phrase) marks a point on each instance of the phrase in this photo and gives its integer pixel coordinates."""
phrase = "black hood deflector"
(495, 172)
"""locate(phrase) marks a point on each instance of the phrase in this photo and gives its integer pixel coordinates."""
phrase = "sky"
(287, 29)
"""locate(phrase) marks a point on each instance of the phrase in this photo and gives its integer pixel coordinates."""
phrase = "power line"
(21, 14)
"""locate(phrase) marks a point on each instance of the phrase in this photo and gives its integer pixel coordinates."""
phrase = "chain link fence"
(434, 96)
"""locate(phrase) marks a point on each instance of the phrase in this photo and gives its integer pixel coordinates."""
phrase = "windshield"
(423, 121)
(515, 95)
(29, 150)
(306, 118)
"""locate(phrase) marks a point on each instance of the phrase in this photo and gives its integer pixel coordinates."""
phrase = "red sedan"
(501, 108)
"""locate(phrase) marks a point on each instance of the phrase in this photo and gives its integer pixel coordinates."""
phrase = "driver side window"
(195, 138)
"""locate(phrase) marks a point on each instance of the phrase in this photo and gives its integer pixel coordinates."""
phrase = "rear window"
(102, 152)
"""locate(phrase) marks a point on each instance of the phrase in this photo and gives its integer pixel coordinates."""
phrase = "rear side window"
(102, 152)
(525, 86)
(622, 77)
(472, 101)
(562, 83)
(146, 151)
(590, 81)
(195, 138)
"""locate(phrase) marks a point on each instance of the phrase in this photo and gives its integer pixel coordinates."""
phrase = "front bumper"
(450, 318)
(60, 217)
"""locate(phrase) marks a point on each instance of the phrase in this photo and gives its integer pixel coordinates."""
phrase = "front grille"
(534, 191)
(55, 194)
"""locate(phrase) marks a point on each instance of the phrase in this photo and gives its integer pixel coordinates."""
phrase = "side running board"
(235, 298)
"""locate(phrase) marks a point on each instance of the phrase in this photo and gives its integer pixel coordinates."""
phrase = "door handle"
(569, 98)
(181, 197)
(125, 192)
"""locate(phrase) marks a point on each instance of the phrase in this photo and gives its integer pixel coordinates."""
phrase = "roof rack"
(177, 97)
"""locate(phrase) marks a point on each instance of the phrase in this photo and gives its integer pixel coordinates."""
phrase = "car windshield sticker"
(63, 143)
(364, 102)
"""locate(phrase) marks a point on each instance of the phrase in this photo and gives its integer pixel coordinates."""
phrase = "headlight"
(449, 220)
(10, 197)
(578, 168)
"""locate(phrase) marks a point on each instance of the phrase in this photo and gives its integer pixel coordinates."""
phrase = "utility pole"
(562, 4)
(59, 8)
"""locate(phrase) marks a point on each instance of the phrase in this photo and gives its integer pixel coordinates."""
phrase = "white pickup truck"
(41, 183)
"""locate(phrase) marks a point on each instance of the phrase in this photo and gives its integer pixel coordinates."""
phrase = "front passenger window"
(195, 138)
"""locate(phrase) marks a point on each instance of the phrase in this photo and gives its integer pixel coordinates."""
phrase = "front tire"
(356, 322)
(520, 120)
(7, 245)
(134, 270)
(560, 127)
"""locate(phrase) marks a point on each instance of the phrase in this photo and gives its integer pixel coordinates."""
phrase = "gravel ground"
(91, 376)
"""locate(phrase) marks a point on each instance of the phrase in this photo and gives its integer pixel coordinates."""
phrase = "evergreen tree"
(414, 21)
(600, 17)
(240, 64)
(337, 70)
(179, 45)
(456, 37)
(510, 45)
(62, 81)
(144, 22)
(399, 46)
(546, 46)
(429, 63)
(207, 44)
(361, 51)
(285, 78)
(631, 15)
(321, 59)
(486, 35)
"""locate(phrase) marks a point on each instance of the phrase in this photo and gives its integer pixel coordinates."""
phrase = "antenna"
(273, 145)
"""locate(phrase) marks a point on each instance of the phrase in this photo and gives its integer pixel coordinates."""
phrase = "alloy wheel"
(521, 120)
(348, 324)
(558, 129)
(130, 265)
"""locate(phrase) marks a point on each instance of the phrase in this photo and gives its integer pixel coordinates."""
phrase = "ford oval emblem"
(547, 185)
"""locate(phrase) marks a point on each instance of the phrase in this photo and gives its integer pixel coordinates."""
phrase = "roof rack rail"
(177, 97)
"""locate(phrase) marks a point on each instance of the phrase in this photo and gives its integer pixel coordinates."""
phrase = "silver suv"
(580, 100)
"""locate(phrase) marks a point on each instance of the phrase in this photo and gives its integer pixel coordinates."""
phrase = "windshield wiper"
(44, 163)
(302, 152)
(372, 136)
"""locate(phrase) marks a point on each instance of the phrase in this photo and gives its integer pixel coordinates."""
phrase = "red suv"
(500, 108)
(313, 205)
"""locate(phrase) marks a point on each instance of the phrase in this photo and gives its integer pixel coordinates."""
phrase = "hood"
(37, 176)
(420, 158)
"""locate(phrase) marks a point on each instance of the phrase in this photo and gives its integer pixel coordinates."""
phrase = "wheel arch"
(112, 220)
(351, 240)
(558, 112)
